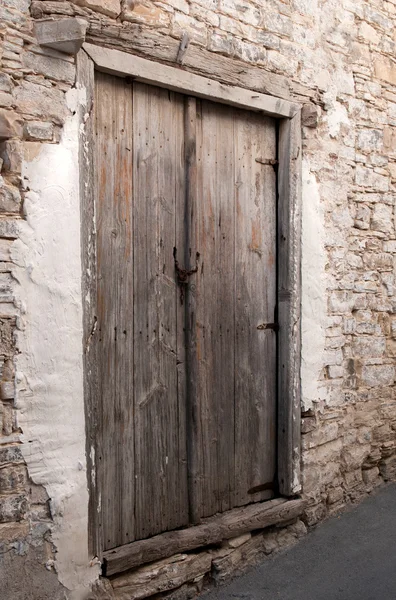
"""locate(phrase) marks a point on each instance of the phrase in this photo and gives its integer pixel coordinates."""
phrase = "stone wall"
(337, 55)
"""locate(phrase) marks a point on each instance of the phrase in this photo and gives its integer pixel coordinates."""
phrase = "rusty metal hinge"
(273, 326)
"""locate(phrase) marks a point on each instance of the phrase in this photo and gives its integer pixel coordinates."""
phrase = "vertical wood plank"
(191, 262)
(289, 301)
(160, 493)
(215, 307)
(85, 79)
(115, 304)
(255, 293)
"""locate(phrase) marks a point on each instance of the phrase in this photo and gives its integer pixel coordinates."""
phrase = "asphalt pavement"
(349, 557)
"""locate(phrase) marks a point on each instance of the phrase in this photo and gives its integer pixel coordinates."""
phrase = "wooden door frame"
(288, 115)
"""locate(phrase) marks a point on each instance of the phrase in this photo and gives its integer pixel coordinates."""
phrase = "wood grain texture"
(289, 305)
(214, 529)
(123, 64)
(154, 45)
(255, 297)
(215, 221)
(158, 158)
(85, 78)
(162, 576)
(114, 217)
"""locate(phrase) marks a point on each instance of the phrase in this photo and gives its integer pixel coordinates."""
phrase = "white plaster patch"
(336, 116)
(50, 364)
(313, 310)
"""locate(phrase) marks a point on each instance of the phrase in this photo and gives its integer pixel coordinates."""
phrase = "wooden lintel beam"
(122, 64)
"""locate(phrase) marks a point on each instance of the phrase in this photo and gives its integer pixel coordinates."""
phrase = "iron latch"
(273, 326)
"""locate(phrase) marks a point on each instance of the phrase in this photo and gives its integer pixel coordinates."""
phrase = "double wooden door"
(186, 267)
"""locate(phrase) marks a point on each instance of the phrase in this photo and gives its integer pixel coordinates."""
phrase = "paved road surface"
(350, 557)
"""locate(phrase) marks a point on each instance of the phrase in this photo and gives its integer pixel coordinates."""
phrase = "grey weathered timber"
(93, 413)
(255, 303)
(65, 35)
(154, 45)
(123, 64)
(289, 300)
(115, 293)
(159, 426)
(214, 529)
(215, 289)
(191, 262)
(162, 576)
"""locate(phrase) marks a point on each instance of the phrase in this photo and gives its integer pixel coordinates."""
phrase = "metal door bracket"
(273, 326)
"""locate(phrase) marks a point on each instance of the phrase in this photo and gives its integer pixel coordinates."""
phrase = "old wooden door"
(186, 266)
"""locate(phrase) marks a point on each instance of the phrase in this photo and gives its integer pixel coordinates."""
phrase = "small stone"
(10, 199)
(10, 125)
(11, 153)
(7, 390)
(12, 508)
(6, 84)
(238, 541)
(38, 130)
(387, 468)
(309, 115)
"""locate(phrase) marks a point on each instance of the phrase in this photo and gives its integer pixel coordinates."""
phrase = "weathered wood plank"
(214, 529)
(85, 79)
(289, 301)
(255, 293)
(214, 450)
(123, 64)
(191, 262)
(115, 304)
(158, 155)
(160, 577)
(154, 45)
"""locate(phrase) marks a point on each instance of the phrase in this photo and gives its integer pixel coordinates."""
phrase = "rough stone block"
(10, 125)
(367, 177)
(146, 13)
(387, 468)
(369, 140)
(10, 199)
(335, 495)
(41, 102)
(382, 218)
(7, 390)
(38, 130)
(309, 115)
(12, 508)
(11, 153)
(12, 479)
(6, 83)
(385, 69)
(371, 476)
(66, 35)
(369, 346)
(50, 67)
(378, 375)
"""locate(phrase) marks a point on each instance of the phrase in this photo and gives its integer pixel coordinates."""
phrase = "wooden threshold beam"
(212, 530)
(122, 64)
